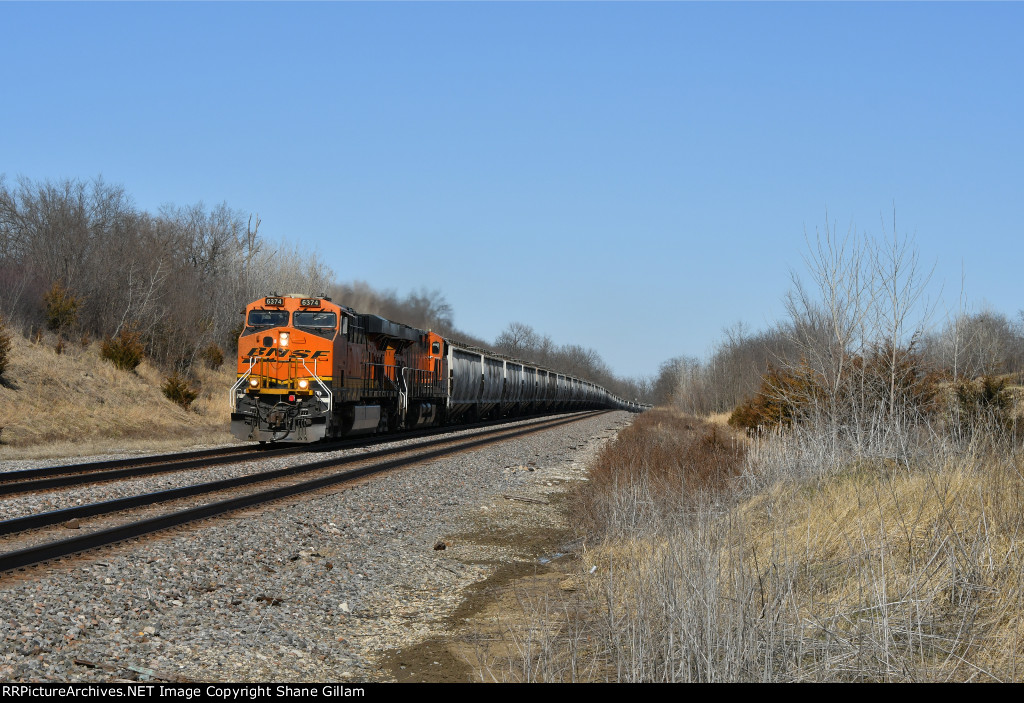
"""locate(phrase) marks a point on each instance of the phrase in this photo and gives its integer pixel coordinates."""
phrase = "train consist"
(310, 369)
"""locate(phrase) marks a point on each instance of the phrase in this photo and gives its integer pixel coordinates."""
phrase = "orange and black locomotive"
(310, 369)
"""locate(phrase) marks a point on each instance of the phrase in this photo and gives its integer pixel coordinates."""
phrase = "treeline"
(79, 258)
(423, 308)
(860, 351)
(971, 345)
(80, 261)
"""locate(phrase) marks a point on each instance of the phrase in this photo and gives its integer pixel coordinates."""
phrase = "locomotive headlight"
(282, 339)
(303, 384)
(253, 382)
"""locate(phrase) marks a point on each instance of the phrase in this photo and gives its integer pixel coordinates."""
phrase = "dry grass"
(721, 419)
(76, 403)
(868, 576)
(807, 566)
(664, 459)
(933, 557)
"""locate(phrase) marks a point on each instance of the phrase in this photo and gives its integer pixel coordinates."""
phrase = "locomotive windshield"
(268, 318)
(320, 321)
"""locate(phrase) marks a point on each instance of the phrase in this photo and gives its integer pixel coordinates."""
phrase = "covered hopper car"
(310, 369)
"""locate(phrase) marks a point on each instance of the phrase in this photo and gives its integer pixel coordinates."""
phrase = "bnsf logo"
(273, 352)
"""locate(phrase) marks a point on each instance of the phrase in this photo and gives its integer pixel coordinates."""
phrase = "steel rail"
(56, 517)
(93, 540)
(46, 471)
(136, 471)
(79, 474)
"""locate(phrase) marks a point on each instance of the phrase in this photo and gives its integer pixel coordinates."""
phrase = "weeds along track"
(22, 554)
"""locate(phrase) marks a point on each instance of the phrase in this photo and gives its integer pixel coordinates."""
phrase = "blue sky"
(628, 176)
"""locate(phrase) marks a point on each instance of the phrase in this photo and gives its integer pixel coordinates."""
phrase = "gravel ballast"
(312, 589)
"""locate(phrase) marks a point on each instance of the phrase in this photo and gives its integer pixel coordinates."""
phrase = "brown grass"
(804, 566)
(76, 403)
(719, 419)
(671, 458)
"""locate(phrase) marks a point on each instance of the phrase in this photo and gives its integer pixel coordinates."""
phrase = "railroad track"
(64, 476)
(371, 463)
(94, 466)
(31, 480)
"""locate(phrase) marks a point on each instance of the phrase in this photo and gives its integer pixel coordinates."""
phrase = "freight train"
(310, 369)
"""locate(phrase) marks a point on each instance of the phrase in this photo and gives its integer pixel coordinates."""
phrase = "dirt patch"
(477, 632)
(520, 634)
(474, 634)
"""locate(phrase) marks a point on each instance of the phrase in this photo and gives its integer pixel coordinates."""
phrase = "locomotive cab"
(283, 389)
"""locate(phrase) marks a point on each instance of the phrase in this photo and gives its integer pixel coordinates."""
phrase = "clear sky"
(628, 176)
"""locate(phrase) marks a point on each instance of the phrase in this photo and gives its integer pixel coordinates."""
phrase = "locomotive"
(310, 369)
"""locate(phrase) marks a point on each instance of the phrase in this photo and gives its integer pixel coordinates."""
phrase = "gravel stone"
(311, 589)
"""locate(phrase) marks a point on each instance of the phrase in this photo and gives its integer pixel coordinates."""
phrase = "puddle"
(550, 558)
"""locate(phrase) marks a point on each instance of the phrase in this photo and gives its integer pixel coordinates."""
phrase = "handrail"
(234, 388)
(327, 390)
(378, 376)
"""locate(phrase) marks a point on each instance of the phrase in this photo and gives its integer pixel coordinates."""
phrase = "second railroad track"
(323, 474)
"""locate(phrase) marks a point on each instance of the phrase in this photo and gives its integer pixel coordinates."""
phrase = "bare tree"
(179, 275)
(518, 340)
(857, 328)
(828, 320)
(901, 318)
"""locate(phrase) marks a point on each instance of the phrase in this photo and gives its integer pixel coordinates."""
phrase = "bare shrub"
(539, 636)
(169, 347)
(661, 463)
(813, 568)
